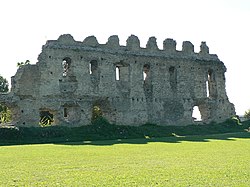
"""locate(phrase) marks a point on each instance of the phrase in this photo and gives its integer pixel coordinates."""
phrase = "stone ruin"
(129, 84)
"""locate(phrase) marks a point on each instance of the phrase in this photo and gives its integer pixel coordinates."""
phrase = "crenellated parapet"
(169, 45)
(133, 46)
(133, 43)
(91, 41)
(152, 45)
(187, 47)
(113, 42)
(204, 50)
(66, 39)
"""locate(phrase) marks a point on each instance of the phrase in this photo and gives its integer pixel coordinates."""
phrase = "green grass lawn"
(212, 160)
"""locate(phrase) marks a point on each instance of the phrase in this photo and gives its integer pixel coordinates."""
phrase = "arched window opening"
(94, 72)
(211, 84)
(146, 69)
(93, 65)
(196, 115)
(173, 78)
(46, 118)
(66, 65)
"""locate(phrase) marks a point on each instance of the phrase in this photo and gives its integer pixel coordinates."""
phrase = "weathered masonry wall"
(131, 85)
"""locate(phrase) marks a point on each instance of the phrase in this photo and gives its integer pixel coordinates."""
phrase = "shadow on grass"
(174, 139)
(145, 140)
(103, 133)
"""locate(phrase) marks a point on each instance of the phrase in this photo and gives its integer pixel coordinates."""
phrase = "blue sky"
(223, 24)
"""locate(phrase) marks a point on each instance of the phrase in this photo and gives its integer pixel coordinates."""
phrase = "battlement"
(133, 46)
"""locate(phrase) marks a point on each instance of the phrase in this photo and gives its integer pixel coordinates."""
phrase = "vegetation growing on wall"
(19, 64)
(96, 113)
(247, 114)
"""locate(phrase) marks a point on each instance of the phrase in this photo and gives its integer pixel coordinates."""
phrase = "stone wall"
(129, 84)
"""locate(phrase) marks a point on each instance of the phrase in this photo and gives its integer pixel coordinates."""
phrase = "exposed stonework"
(130, 84)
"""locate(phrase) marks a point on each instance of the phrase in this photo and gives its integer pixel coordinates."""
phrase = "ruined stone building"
(129, 84)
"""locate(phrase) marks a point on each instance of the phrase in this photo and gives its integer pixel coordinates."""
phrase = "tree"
(247, 114)
(5, 114)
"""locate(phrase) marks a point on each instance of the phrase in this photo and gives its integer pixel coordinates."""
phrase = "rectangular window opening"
(117, 73)
(207, 89)
(146, 69)
(93, 66)
(90, 71)
(173, 78)
(65, 112)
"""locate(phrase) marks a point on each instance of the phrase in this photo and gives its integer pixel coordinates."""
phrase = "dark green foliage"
(101, 129)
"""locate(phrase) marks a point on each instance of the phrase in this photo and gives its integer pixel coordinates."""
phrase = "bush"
(99, 120)
(101, 129)
(5, 113)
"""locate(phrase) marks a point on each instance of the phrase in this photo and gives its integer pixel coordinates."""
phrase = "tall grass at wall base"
(101, 129)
